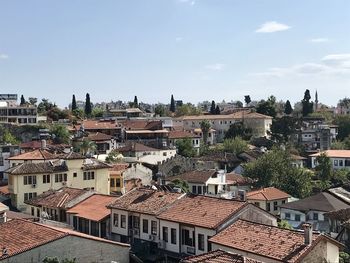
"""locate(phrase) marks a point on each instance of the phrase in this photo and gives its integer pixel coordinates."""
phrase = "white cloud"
(319, 40)
(271, 27)
(337, 60)
(216, 66)
(3, 56)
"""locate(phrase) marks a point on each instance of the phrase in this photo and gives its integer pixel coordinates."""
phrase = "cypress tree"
(172, 104)
(288, 108)
(88, 109)
(212, 107)
(136, 103)
(247, 100)
(74, 103)
(307, 105)
(217, 110)
(23, 101)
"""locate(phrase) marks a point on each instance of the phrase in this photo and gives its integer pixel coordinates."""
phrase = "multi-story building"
(11, 112)
(6, 151)
(30, 178)
(340, 158)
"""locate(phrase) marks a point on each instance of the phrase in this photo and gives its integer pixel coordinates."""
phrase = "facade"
(105, 143)
(25, 241)
(91, 216)
(268, 199)
(272, 244)
(175, 135)
(116, 177)
(340, 158)
(6, 151)
(34, 177)
(312, 210)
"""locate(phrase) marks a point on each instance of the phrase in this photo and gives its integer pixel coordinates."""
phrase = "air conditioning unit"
(64, 182)
(152, 237)
(161, 244)
(33, 185)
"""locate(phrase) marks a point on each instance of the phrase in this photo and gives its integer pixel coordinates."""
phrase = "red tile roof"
(98, 136)
(147, 201)
(98, 125)
(267, 241)
(267, 194)
(334, 153)
(219, 256)
(38, 168)
(118, 167)
(58, 198)
(142, 125)
(4, 190)
(93, 208)
(202, 211)
(34, 155)
(237, 179)
(19, 235)
(136, 147)
(176, 134)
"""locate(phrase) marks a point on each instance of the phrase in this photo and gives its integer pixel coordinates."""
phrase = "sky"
(195, 49)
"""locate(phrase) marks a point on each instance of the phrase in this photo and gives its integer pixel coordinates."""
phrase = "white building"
(340, 158)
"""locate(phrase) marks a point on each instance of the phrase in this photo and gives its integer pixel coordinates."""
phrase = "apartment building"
(340, 158)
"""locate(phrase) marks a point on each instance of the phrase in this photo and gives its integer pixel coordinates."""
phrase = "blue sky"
(195, 49)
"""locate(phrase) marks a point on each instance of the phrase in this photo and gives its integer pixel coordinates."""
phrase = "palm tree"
(205, 127)
(183, 185)
(86, 146)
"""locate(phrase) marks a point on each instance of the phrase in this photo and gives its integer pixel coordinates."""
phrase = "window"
(154, 227)
(75, 221)
(283, 201)
(89, 175)
(94, 229)
(199, 189)
(123, 221)
(28, 196)
(75, 174)
(268, 207)
(32, 211)
(173, 236)
(145, 226)
(37, 212)
(315, 216)
(297, 218)
(116, 220)
(201, 242)
(46, 179)
(1, 161)
(257, 204)
(287, 216)
(335, 162)
(65, 177)
(275, 206)
(112, 182)
(165, 234)
(185, 238)
(340, 162)
(136, 222)
(60, 178)
(194, 188)
(29, 179)
(117, 182)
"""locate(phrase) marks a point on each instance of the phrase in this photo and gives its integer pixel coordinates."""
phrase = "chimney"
(43, 144)
(307, 233)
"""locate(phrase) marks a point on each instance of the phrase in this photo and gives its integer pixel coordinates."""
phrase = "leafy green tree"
(87, 146)
(267, 107)
(297, 182)
(344, 257)
(238, 130)
(187, 109)
(56, 114)
(185, 148)
(97, 112)
(136, 102)
(338, 145)
(44, 106)
(79, 113)
(282, 128)
(247, 100)
(172, 104)
(288, 108)
(60, 134)
(183, 185)
(32, 101)
(205, 127)
(324, 167)
(212, 108)
(307, 105)
(236, 145)
(74, 103)
(159, 110)
(217, 110)
(88, 108)
(284, 224)
(343, 123)
(112, 157)
(23, 101)
(9, 138)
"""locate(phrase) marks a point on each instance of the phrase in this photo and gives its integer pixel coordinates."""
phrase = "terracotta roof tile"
(98, 136)
(176, 134)
(142, 125)
(4, 190)
(219, 256)
(98, 125)
(268, 241)
(39, 168)
(92, 164)
(119, 167)
(238, 179)
(93, 208)
(334, 153)
(267, 194)
(71, 156)
(34, 155)
(58, 198)
(203, 211)
(148, 201)
(135, 147)
(196, 176)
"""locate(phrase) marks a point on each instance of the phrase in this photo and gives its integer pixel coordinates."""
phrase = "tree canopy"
(235, 145)
(172, 104)
(205, 127)
(288, 108)
(88, 108)
(60, 134)
(239, 130)
(308, 106)
(185, 148)
(267, 107)
(74, 103)
(247, 100)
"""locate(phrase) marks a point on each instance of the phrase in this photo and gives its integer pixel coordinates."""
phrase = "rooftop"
(71, 156)
(99, 136)
(97, 125)
(196, 176)
(93, 208)
(324, 202)
(38, 154)
(91, 164)
(264, 240)
(237, 115)
(57, 198)
(147, 201)
(142, 124)
(237, 179)
(202, 211)
(219, 256)
(136, 147)
(179, 134)
(267, 194)
(19, 235)
(38, 168)
(334, 153)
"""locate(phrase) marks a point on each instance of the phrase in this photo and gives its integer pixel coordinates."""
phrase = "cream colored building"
(31, 178)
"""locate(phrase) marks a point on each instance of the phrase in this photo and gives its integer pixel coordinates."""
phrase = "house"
(135, 175)
(238, 182)
(211, 140)
(44, 144)
(26, 241)
(105, 143)
(53, 204)
(311, 210)
(298, 161)
(34, 177)
(340, 158)
(218, 256)
(128, 113)
(116, 177)
(272, 244)
(269, 199)
(36, 156)
(109, 127)
(6, 151)
(187, 225)
(259, 123)
(91, 216)
(11, 112)
(203, 182)
(176, 135)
